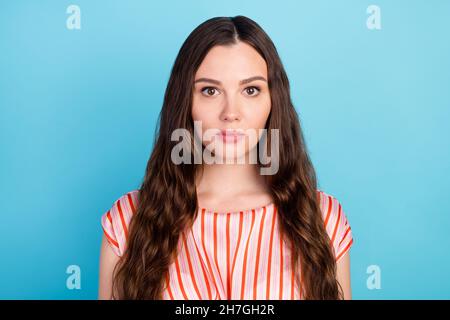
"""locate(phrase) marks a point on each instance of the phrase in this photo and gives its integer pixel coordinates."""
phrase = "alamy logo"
(74, 279)
(373, 22)
(226, 145)
(374, 279)
(74, 20)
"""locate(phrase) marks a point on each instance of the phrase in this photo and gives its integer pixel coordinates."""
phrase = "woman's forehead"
(233, 63)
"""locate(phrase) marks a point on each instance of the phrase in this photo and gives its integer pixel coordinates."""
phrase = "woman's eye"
(209, 91)
(252, 91)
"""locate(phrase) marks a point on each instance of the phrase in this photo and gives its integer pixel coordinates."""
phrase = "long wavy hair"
(168, 198)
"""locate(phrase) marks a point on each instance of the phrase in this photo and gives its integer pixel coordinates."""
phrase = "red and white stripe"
(234, 255)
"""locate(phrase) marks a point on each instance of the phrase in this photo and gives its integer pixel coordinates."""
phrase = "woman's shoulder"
(328, 203)
(116, 219)
(336, 223)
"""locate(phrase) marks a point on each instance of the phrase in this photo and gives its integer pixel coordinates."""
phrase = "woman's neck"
(221, 183)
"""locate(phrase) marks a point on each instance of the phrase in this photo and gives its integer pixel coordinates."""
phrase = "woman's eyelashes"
(251, 91)
(209, 91)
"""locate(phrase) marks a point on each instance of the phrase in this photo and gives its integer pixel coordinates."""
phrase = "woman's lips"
(230, 136)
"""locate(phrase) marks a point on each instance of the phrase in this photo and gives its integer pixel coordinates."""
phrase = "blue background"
(78, 109)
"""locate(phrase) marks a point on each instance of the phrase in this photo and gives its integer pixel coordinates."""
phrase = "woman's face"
(231, 92)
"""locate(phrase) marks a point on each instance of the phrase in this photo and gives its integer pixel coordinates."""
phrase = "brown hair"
(168, 199)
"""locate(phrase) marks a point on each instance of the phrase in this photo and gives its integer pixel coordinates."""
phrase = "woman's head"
(227, 50)
(231, 92)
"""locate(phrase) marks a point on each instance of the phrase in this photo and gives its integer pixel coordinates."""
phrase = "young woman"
(224, 230)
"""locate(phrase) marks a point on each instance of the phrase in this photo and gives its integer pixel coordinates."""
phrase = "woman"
(225, 230)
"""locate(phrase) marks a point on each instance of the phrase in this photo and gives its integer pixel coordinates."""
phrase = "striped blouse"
(231, 255)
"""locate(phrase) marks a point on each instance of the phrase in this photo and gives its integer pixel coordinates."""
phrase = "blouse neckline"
(260, 208)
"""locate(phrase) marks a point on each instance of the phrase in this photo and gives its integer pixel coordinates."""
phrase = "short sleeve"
(116, 220)
(336, 224)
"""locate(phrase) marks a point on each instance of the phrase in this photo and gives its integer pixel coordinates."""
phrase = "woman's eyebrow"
(217, 82)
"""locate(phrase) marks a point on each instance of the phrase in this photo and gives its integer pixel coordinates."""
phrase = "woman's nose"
(230, 111)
